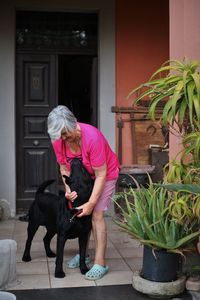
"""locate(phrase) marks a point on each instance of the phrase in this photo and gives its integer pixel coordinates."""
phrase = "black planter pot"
(160, 265)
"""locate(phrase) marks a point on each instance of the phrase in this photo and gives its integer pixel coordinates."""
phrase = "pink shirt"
(95, 151)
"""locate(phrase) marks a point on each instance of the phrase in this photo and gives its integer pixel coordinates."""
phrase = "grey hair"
(58, 119)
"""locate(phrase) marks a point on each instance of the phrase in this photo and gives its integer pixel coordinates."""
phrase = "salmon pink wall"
(184, 42)
(142, 45)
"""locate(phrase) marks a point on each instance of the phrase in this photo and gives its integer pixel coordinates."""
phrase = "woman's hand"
(100, 178)
(86, 209)
(71, 195)
(68, 194)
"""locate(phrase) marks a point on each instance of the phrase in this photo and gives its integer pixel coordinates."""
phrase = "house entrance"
(56, 63)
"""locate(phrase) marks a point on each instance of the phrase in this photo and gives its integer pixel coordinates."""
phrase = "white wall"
(106, 11)
(7, 104)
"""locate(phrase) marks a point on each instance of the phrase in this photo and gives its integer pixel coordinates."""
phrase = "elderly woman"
(73, 139)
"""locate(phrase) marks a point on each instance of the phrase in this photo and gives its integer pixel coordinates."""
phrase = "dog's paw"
(59, 274)
(26, 258)
(51, 254)
(84, 270)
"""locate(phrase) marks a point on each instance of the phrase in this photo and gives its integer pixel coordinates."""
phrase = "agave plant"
(149, 218)
(177, 85)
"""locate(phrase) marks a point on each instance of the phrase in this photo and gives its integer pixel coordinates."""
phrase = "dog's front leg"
(83, 240)
(59, 273)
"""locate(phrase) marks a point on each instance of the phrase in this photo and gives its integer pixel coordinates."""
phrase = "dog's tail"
(43, 186)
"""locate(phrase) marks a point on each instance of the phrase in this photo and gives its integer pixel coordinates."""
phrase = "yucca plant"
(191, 148)
(167, 215)
(177, 85)
(187, 168)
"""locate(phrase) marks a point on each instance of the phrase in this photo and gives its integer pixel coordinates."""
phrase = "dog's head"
(80, 181)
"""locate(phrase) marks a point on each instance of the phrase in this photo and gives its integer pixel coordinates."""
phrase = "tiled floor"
(123, 256)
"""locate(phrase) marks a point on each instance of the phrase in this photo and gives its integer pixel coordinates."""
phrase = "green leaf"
(190, 93)
(179, 81)
(179, 187)
(182, 111)
(196, 101)
(196, 78)
(176, 96)
(187, 238)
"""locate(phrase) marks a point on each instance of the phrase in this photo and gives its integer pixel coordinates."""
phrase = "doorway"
(56, 63)
(77, 88)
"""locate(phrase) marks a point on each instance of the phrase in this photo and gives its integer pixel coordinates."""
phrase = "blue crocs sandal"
(96, 272)
(74, 261)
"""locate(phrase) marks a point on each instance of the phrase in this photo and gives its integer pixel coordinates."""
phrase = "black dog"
(59, 216)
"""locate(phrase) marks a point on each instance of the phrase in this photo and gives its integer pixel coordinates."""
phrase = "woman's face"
(70, 136)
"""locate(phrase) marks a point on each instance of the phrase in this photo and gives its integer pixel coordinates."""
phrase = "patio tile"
(123, 255)
(32, 267)
(7, 224)
(116, 277)
(36, 246)
(122, 239)
(21, 234)
(117, 264)
(131, 251)
(9, 235)
(36, 256)
(73, 278)
(32, 282)
(135, 263)
(112, 253)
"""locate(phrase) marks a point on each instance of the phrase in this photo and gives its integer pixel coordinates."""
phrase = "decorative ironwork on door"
(52, 30)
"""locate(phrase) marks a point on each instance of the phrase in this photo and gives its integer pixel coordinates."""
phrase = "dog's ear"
(66, 179)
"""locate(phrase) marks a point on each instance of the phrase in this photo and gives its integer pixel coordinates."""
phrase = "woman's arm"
(100, 179)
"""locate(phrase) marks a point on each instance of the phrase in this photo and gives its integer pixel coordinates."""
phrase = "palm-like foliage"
(187, 169)
(191, 151)
(177, 84)
(167, 216)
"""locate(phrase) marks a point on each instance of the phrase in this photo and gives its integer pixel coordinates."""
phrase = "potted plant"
(165, 217)
(161, 220)
(175, 85)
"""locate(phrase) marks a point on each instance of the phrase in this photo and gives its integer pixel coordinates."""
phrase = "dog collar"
(72, 208)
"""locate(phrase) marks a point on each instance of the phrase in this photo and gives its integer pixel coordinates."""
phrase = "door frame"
(56, 52)
(106, 79)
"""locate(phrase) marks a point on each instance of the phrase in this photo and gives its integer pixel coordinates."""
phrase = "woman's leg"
(98, 222)
(99, 228)
(100, 237)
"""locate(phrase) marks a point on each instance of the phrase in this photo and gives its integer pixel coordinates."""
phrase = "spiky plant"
(157, 220)
(177, 85)
(167, 216)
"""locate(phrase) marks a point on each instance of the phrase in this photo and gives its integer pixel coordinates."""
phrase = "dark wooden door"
(36, 95)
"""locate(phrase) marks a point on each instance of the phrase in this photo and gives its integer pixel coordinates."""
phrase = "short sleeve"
(97, 151)
(59, 151)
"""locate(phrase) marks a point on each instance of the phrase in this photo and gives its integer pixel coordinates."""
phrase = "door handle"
(36, 143)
